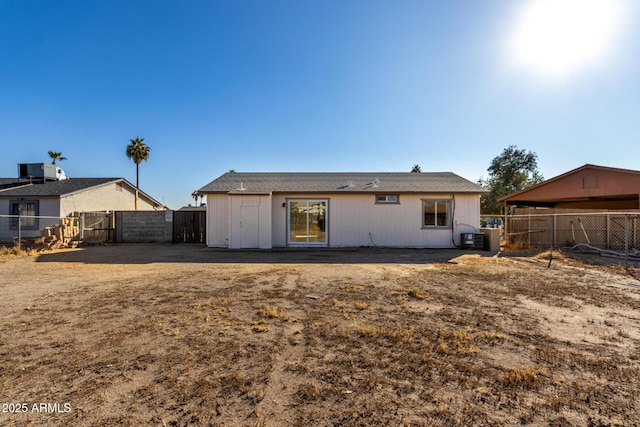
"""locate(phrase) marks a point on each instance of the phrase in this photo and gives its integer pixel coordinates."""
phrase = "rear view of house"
(268, 210)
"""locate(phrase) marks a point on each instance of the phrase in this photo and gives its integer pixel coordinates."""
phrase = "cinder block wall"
(144, 226)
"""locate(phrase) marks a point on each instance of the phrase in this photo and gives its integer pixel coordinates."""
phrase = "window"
(387, 198)
(27, 209)
(436, 213)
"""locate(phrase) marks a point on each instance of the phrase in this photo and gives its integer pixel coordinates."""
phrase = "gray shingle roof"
(337, 182)
(12, 187)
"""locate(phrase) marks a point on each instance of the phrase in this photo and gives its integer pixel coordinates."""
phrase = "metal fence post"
(553, 232)
(608, 231)
(81, 226)
(626, 240)
(19, 231)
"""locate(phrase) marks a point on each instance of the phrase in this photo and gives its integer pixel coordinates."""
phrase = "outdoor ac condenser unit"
(472, 241)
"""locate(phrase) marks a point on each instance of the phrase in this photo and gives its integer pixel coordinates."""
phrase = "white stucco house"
(271, 210)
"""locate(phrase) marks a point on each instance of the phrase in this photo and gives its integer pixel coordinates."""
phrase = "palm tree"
(195, 196)
(416, 169)
(138, 151)
(55, 155)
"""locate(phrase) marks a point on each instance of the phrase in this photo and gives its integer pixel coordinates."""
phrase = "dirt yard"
(164, 335)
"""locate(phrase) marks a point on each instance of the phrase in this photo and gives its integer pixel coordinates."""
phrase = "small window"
(436, 213)
(387, 198)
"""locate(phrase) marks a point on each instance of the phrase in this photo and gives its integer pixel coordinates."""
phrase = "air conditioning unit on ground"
(472, 241)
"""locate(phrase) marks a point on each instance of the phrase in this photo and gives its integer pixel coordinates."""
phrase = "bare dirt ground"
(165, 335)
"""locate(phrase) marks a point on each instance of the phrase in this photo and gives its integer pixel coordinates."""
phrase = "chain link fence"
(611, 231)
(35, 232)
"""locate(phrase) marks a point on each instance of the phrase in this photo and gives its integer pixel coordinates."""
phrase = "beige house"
(270, 210)
(35, 200)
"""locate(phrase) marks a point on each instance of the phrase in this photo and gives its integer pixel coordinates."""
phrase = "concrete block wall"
(144, 226)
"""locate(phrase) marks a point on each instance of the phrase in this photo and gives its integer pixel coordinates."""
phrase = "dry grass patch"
(458, 341)
(524, 377)
(360, 305)
(273, 313)
(13, 251)
(417, 294)
(351, 287)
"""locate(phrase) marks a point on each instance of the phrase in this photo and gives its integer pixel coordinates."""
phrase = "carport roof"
(589, 186)
(340, 182)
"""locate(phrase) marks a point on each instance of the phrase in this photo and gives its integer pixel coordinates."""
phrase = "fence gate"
(189, 226)
(97, 227)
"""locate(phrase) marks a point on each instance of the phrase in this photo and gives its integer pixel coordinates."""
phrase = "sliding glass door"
(307, 222)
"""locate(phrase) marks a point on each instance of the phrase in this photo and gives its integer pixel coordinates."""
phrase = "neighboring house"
(266, 210)
(587, 187)
(63, 198)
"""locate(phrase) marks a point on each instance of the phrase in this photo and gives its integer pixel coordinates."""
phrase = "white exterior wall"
(353, 220)
(356, 220)
(218, 220)
(111, 197)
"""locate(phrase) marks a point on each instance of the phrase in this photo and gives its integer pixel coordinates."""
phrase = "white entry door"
(249, 230)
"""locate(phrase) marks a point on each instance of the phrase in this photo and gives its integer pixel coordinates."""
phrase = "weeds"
(524, 377)
(459, 341)
(360, 305)
(4, 251)
(273, 313)
(417, 294)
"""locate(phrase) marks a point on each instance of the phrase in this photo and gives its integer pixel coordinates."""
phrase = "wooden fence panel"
(98, 227)
(189, 226)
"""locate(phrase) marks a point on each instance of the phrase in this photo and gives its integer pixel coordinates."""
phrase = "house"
(587, 187)
(33, 198)
(269, 210)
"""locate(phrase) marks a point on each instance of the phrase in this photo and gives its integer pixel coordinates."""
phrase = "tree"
(55, 155)
(511, 171)
(416, 168)
(195, 196)
(138, 151)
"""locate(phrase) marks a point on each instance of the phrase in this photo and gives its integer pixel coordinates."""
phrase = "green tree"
(55, 155)
(195, 196)
(513, 170)
(416, 168)
(138, 151)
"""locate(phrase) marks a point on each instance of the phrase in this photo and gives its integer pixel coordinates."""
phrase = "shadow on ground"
(186, 253)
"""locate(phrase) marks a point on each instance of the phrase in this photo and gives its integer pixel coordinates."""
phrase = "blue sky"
(300, 86)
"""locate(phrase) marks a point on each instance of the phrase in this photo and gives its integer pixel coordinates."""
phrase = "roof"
(12, 187)
(340, 182)
(193, 209)
(586, 183)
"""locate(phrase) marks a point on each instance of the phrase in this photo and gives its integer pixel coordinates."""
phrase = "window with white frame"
(436, 213)
(387, 198)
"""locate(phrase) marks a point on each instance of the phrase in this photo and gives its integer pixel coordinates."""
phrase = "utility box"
(491, 239)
